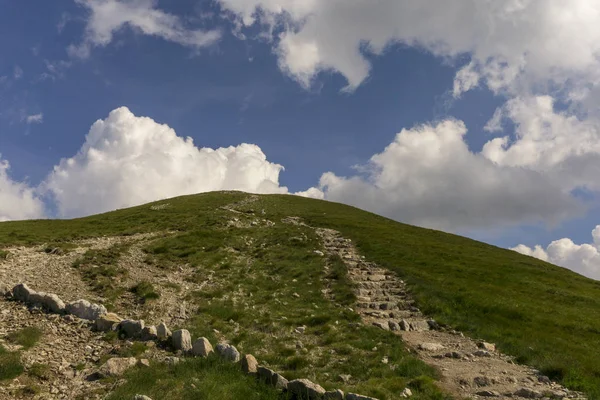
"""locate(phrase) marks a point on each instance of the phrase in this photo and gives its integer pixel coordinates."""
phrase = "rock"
(305, 389)
(430, 346)
(149, 333)
(488, 393)
(272, 378)
(249, 364)
(108, 322)
(300, 329)
(419, 326)
(182, 340)
(482, 353)
(454, 354)
(279, 382)
(202, 347)
(528, 393)
(433, 325)
(53, 303)
(162, 331)
(143, 362)
(117, 366)
(228, 352)
(486, 346)
(404, 325)
(131, 328)
(141, 397)
(334, 395)
(482, 381)
(394, 326)
(171, 360)
(345, 378)
(21, 292)
(354, 396)
(544, 379)
(5, 291)
(382, 325)
(85, 310)
(406, 393)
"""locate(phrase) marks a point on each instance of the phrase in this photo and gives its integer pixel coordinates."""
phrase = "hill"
(235, 267)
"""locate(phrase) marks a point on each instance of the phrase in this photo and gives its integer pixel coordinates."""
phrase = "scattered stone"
(354, 396)
(488, 393)
(544, 379)
(141, 397)
(334, 395)
(163, 331)
(481, 381)
(404, 325)
(202, 347)
(454, 354)
(249, 364)
(131, 328)
(143, 362)
(149, 334)
(430, 346)
(303, 388)
(182, 340)
(172, 360)
(21, 292)
(345, 378)
(406, 393)
(228, 352)
(394, 326)
(528, 393)
(5, 291)
(433, 325)
(117, 366)
(300, 329)
(382, 325)
(85, 310)
(108, 322)
(482, 353)
(419, 326)
(487, 346)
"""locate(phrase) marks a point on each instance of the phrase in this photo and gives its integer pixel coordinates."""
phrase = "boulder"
(163, 331)
(488, 393)
(131, 328)
(272, 378)
(305, 389)
(228, 352)
(182, 340)
(419, 326)
(85, 310)
(108, 322)
(382, 325)
(394, 326)
(53, 303)
(149, 333)
(117, 366)
(406, 393)
(171, 360)
(404, 325)
(487, 346)
(21, 292)
(249, 364)
(482, 353)
(143, 362)
(202, 347)
(482, 381)
(334, 395)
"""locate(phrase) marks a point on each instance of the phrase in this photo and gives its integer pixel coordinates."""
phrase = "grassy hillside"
(544, 315)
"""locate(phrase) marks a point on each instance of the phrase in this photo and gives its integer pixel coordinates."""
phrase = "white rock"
(85, 310)
(431, 346)
(163, 331)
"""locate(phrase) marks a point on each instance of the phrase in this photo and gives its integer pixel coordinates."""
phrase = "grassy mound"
(544, 315)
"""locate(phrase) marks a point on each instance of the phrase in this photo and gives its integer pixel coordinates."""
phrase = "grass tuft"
(26, 337)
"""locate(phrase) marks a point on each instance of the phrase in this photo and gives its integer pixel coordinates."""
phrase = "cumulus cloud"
(583, 259)
(17, 200)
(128, 160)
(106, 17)
(511, 42)
(429, 177)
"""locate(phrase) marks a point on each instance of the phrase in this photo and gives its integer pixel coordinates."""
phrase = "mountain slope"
(543, 315)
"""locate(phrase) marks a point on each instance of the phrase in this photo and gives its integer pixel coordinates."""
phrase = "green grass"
(26, 337)
(40, 371)
(197, 379)
(10, 364)
(543, 315)
(145, 291)
(3, 255)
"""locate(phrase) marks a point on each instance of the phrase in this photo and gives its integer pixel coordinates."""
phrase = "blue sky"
(318, 87)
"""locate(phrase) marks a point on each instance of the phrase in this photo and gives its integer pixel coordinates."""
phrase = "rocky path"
(470, 368)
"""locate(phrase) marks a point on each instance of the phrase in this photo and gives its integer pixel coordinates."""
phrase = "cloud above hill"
(17, 199)
(584, 258)
(128, 160)
(428, 176)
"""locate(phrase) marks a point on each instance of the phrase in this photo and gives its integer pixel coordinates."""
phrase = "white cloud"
(427, 176)
(17, 200)
(128, 160)
(35, 118)
(583, 259)
(17, 72)
(511, 42)
(106, 17)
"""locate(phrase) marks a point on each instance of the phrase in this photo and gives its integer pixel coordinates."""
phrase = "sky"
(475, 117)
